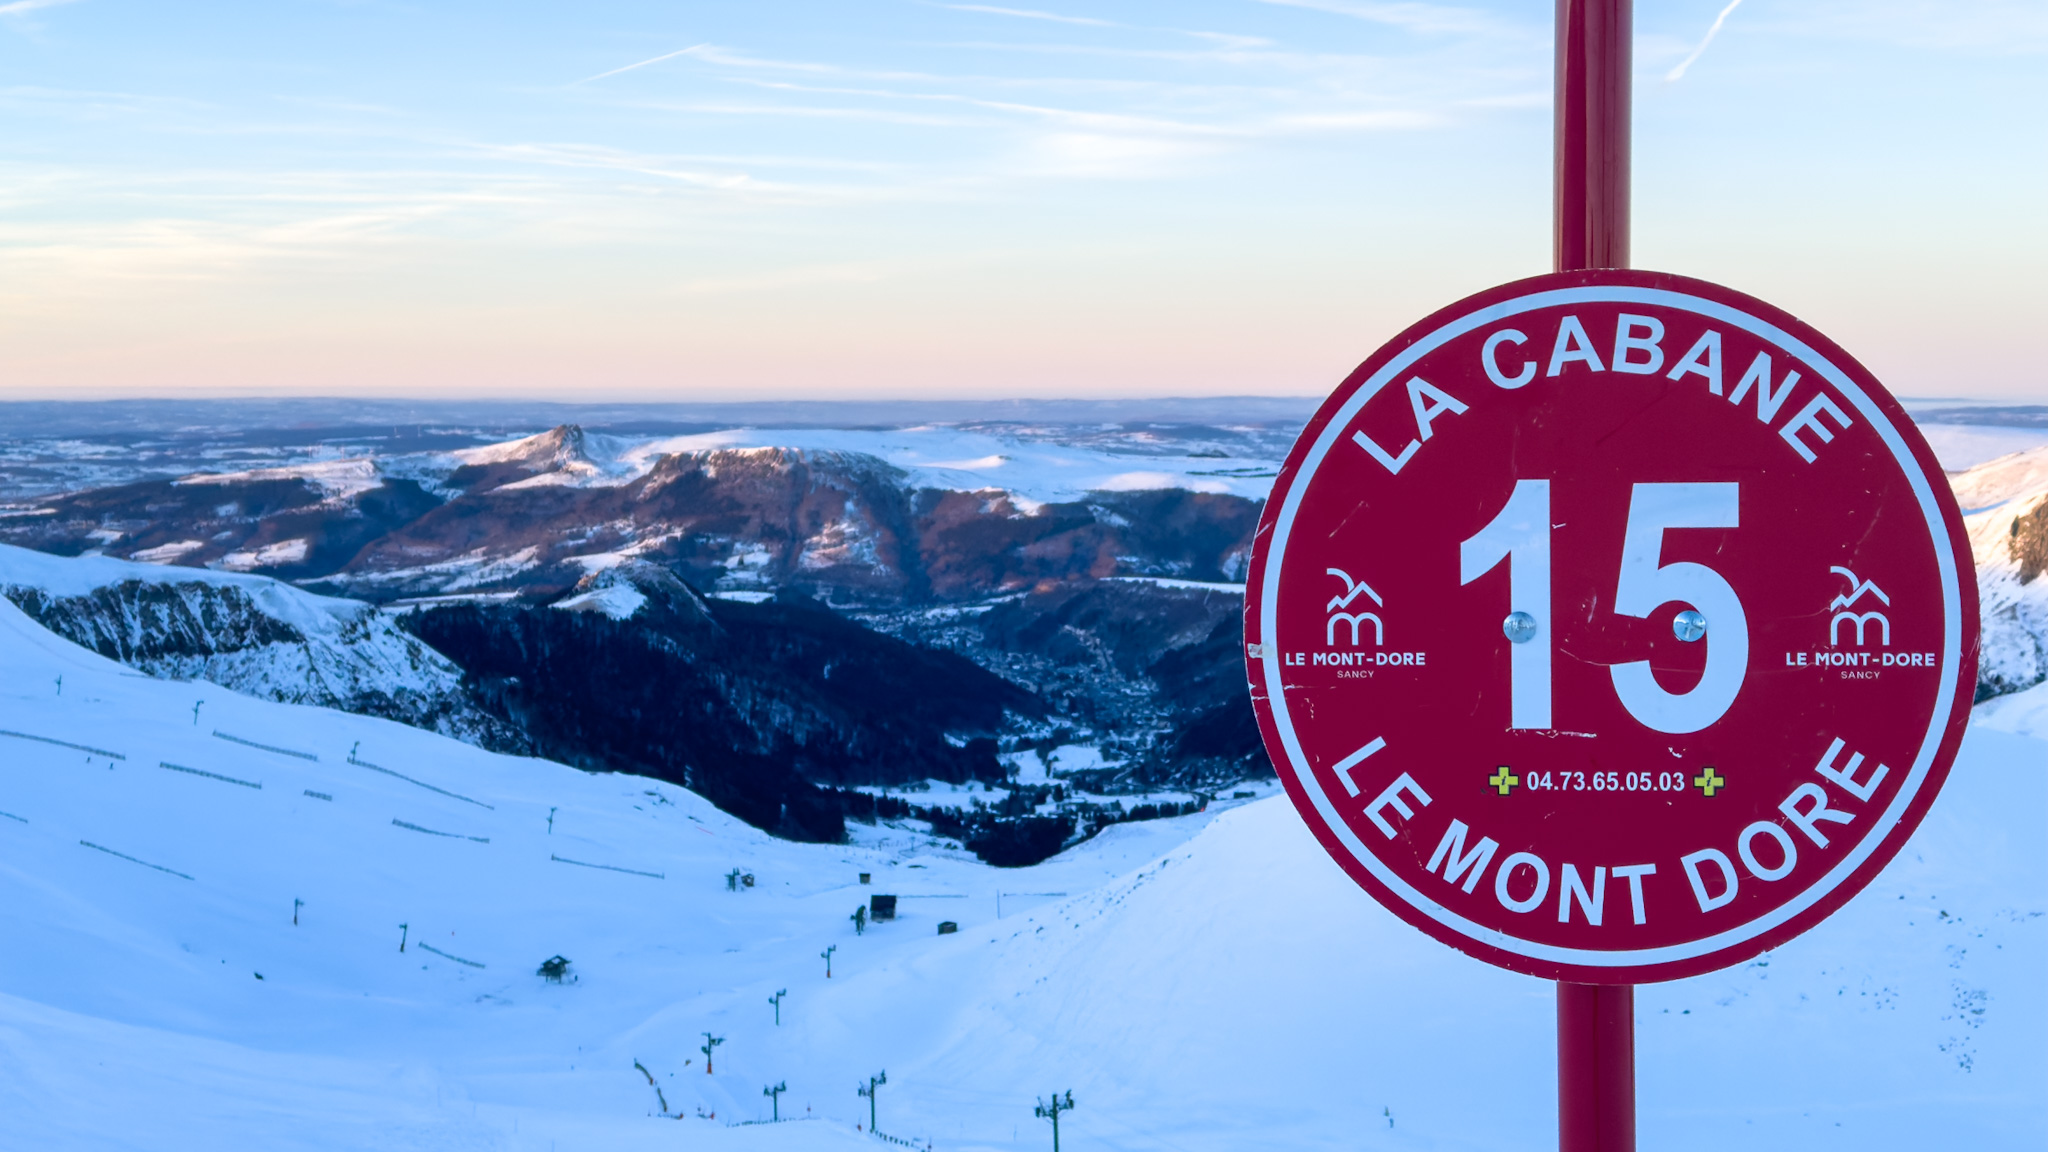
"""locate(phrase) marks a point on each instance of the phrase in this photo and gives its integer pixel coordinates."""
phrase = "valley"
(845, 612)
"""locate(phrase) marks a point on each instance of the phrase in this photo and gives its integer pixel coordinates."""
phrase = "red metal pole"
(1596, 1052)
(1596, 1067)
(1592, 112)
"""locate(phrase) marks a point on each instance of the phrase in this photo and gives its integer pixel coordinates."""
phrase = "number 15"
(1520, 534)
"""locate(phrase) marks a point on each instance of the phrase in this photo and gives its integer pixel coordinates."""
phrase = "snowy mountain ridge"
(1035, 468)
(249, 633)
(863, 515)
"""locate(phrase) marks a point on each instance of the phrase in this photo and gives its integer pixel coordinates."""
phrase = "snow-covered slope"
(2003, 504)
(1204, 983)
(2014, 475)
(250, 633)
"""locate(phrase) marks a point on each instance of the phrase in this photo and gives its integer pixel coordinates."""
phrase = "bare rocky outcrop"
(2028, 544)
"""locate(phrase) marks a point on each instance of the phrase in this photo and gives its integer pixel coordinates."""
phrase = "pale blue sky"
(722, 199)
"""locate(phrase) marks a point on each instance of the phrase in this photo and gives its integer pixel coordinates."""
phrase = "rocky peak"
(637, 589)
(563, 446)
(558, 447)
(561, 455)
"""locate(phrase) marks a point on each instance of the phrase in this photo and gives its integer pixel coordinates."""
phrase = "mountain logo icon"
(1844, 604)
(1338, 615)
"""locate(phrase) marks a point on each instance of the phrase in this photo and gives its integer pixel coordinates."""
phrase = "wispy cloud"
(1131, 124)
(1225, 39)
(713, 54)
(977, 137)
(1032, 14)
(1713, 30)
(1414, 17)
(1105, 123)
(1362, 121)
(18, 7)
(1231, 40)
(691, 50)
(724, 179)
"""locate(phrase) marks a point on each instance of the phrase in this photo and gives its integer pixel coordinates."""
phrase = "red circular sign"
(1611, 626)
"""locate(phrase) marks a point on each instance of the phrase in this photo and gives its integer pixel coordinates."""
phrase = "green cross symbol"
(1504, 781)
(1708, 780)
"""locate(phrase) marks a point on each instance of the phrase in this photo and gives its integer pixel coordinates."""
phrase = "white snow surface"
(81, 575)
(940, 456)
(2000, 480)
(2024, 713)
(618, 601)
(336, 479)
(1185, 585)
(269, 556)
(1207, 983)
(169, 553)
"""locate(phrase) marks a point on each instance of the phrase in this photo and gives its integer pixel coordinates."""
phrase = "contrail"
(1679, 71)
(657, 60)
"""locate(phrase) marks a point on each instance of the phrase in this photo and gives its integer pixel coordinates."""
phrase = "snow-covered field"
(1210, 982)
(1963, 446)
(1038, 467)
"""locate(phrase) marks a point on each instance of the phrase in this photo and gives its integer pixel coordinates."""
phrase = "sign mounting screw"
(1688, 625)
(1519, 627)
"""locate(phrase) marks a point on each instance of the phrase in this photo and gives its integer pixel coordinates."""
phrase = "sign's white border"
(1951, 635)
